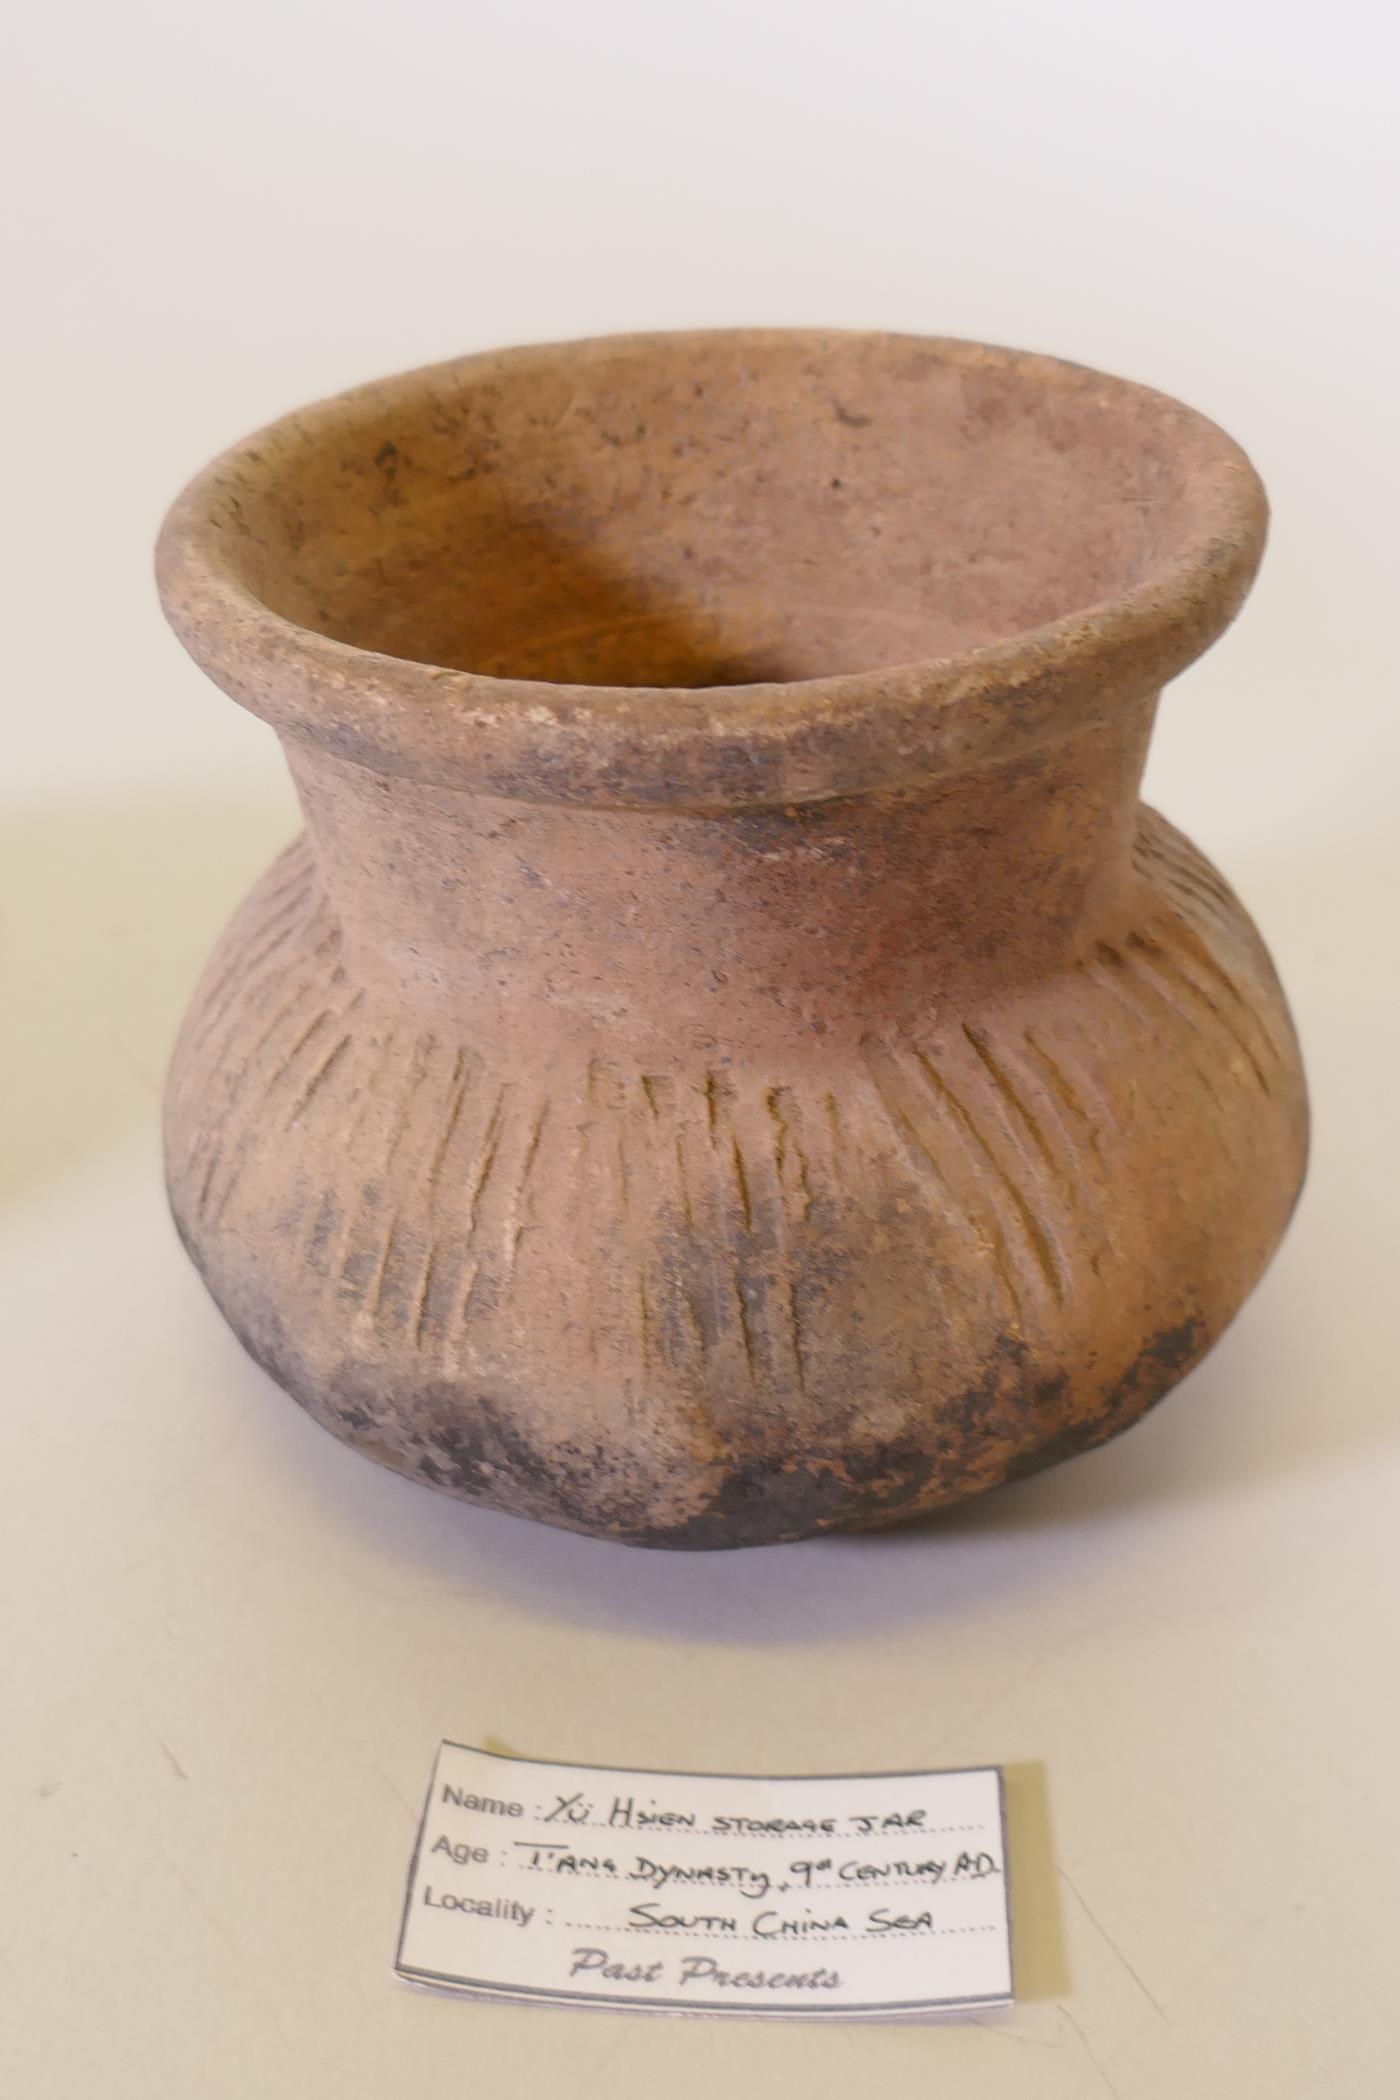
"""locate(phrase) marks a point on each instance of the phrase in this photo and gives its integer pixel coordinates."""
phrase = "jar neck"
(663, 938)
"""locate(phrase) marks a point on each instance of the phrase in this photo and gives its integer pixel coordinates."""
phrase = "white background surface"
(230, 1645)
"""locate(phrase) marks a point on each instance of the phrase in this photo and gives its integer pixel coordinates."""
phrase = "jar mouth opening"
(739, 564)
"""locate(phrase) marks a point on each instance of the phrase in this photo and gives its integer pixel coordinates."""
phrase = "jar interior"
(698, 511)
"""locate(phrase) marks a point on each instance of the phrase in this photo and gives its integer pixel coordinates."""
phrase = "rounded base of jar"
(729, 1308)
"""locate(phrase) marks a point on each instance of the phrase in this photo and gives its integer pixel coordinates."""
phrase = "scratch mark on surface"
(403, 1802)
(1015, 1106)
(1159, 967)
(373, 1090)
(1009, 2034)
(786, 1147)
(288, 1058)
(605, 2062)
(316, 1081)
(171, 1759)
(522, 1224)
(268, 932)
(373, 1299)
(644, 1321)
(1200, 954)
(216, 1154)
(418, 1071)
(1109, 2086)
(238, 1077)
(795, 1322)
(420, 1301)
(537, 1132)
(455, 1096)
(1191, 896)
(464, 1318)
(1107, 974)
(491, 1145)
(624, 1178)
(742, 1180)
(833, 1116)
(1043, 1250)
(923, 1156)
(683, 1181)
(1113, 1945)
(744, 1335)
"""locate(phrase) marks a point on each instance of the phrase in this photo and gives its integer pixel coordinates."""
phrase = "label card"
(850, 1898)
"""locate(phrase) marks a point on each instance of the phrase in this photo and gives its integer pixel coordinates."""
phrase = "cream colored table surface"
(230, 1645)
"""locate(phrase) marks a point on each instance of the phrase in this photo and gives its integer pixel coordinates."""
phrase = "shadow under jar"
(731, 1056)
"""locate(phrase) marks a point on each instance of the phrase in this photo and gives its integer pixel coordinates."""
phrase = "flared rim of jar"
(765, 742)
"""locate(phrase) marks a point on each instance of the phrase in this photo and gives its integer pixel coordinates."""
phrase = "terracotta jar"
(731, 1056)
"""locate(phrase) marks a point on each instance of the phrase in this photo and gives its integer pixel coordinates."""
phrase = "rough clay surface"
(731, 1056)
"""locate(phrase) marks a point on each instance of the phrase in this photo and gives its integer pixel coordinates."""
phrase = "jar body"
(713, 1177)
(731, 1057)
